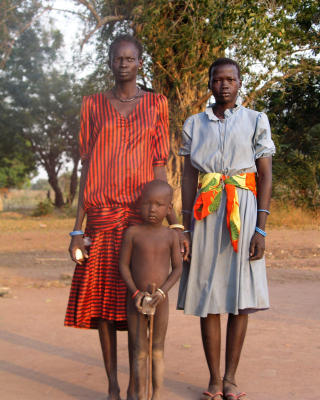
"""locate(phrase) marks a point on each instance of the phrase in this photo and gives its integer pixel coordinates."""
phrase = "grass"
(282, 216)
(21, 221)
(291, 217)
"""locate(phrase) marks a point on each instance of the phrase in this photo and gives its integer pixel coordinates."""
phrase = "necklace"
(126, 100)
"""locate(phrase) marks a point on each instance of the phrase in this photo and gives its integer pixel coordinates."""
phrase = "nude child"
(147, 252)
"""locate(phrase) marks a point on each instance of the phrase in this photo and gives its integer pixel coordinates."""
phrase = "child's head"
(225, 80)
(156, 201)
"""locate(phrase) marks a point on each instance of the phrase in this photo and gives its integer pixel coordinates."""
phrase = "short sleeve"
(160, 140)
(263, 144)
(85, 129)
(185, 148)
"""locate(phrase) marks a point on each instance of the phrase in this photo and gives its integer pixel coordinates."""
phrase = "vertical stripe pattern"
(121, 153)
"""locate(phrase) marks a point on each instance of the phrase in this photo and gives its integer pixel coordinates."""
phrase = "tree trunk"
(58, 196)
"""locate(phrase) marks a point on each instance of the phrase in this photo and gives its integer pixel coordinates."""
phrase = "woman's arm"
(189, 191)
(160, 173)
(77, 241)
(264, 187)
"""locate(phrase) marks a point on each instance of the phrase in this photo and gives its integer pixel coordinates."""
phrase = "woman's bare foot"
(114, 394)
(231, 391)
(213, 389)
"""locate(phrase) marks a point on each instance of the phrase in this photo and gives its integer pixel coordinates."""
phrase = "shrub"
(44, 207)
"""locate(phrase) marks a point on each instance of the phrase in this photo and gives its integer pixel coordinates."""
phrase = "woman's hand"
(184, 240)
(187, 254)
(77, 243)
(257, 247)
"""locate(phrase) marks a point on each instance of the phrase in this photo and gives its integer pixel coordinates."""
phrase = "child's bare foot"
(114, 397)
(114, 394)
(214, 392)
(155, 395)
(231, 391)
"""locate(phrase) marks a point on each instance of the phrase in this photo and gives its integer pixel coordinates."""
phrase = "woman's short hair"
(224, 61)
(125, 38)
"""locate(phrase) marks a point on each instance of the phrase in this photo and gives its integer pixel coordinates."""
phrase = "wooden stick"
(151, 318)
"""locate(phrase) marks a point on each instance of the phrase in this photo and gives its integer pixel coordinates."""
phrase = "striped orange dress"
(122, 153)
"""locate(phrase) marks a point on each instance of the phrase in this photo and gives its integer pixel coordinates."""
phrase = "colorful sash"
(209, 198)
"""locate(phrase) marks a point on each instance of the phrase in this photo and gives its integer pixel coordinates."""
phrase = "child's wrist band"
(262, 210)
(187, 231)
(161, 292)
(176, 226)
(76, 233)
(135, 293)
(186, 212)
(263, 233)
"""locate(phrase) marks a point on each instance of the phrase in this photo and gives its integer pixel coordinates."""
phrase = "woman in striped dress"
(124, 143)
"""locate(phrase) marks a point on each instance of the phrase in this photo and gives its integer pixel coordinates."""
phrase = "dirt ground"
(40, 359)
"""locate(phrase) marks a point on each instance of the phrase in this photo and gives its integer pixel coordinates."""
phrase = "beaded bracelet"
(259, 230)
(262, 210)
(135, 293)
(76, 233)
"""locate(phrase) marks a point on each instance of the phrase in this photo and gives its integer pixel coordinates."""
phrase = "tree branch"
(202, 100)
(10, 43)
(102, 22)
(249, 99)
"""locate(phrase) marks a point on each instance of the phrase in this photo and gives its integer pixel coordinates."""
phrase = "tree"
(40, 112)
(272, 41)
(293, 107)
(54, 129)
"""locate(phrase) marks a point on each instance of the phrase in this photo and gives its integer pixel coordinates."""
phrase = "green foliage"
(44, 207)
(22, 55)
(12, 173)
(40, 122)
(293, 109)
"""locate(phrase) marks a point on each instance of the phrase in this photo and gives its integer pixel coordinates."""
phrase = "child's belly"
(144, 276)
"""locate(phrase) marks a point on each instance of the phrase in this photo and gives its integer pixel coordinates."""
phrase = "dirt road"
(40, 359)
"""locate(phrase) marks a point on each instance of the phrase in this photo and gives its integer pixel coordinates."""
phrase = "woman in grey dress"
(227, 270)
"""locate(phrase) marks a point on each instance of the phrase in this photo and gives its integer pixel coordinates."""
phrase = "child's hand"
(138, 301)
(157, 298)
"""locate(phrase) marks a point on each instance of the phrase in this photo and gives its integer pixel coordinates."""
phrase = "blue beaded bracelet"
(76, 233)
(262, 210)
(263, 233)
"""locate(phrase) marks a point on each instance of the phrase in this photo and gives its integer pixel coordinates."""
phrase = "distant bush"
(44, 207)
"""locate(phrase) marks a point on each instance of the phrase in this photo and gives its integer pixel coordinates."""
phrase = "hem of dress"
(120, 325)
(242, 311)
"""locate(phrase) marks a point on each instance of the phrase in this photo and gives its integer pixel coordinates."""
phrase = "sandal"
(214, 396)
(233, 396)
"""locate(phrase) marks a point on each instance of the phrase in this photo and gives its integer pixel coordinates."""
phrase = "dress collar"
(230, 111)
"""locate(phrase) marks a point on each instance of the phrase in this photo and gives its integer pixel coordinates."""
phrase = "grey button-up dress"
(219, 280)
